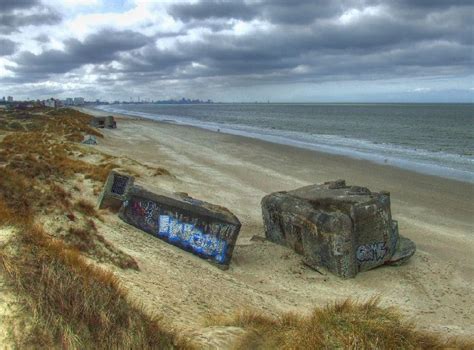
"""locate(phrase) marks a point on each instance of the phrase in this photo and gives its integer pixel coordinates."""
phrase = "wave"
(442, 164)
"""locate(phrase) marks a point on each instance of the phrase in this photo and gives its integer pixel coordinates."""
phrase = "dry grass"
(48, 159)
(7, 217)
(17, 192)
(87, 208)
(74, 304)
(77, 305)
(87, 240)
(342, 325)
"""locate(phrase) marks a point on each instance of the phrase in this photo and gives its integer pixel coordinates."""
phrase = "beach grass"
(69, 301)
(341, 325)
(76, 305)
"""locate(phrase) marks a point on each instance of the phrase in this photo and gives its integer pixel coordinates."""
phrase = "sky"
(239, 51)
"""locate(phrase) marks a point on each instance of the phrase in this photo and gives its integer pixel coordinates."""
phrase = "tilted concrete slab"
(204, 229)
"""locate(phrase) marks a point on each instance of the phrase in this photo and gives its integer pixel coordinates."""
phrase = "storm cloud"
(15, 14)
(241, 44)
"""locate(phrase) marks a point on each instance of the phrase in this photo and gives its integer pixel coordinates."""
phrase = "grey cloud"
(305, 43)
(380, 45)
(10, 5)
(21, 13)
(7, 47)
(42, 38)
(97, 48)
(212, 9)
(430, 4)
(299, 12)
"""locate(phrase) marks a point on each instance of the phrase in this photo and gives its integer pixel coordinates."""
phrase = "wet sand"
(434, 289)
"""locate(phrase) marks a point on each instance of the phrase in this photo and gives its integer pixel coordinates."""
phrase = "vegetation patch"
(73, 303)
(78, 306)
(342, 325)
(87, 240)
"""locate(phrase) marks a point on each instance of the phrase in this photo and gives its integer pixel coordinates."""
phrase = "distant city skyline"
(241, 51)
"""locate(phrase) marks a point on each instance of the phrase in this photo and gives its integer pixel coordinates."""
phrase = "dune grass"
(73, 303)
(341, 325)
(77, 305)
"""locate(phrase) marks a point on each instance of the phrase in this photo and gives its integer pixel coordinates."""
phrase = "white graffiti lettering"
(371, 252)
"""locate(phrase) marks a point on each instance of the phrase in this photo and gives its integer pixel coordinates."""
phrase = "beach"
(433, 289)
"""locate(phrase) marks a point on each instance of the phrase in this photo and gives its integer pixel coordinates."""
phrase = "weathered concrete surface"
(346, 229)
(104, 122)
(204, 229)
(115, 190)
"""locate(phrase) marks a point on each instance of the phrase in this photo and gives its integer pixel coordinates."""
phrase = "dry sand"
(434, 289)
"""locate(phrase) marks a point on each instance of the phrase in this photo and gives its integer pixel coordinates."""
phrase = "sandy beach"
(434, 289)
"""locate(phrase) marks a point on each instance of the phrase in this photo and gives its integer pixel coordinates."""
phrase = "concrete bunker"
(104, 122)
(346, 229)
(204, 229)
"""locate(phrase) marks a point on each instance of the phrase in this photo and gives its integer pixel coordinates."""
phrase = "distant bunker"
(204, 229)
(104, 122)
(346, 229)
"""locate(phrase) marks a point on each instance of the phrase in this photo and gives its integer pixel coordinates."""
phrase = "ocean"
(435, 139)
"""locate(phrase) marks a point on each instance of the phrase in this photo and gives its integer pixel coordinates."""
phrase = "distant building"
(9, 99)
(78, 101)
(69, 101)
(52, 103)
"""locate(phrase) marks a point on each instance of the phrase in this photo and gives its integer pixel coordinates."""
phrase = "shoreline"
(270, 144)
(396, 161)
(433, 288)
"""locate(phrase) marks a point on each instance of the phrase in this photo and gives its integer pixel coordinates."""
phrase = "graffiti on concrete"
(145, 209)
(181, 230)
(371, 252)
(190, 236)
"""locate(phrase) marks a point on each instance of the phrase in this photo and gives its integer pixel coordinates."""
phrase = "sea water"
(436, 139)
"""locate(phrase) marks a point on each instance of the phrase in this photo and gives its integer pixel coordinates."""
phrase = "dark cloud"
(7, 47)
(212, 9)
(21, 13)
(97, 48)
(299, 12)
(10, 5)
(295, 41)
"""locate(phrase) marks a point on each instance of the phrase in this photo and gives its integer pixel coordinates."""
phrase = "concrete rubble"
(346, 229)
(89, 140)
(204, 229)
